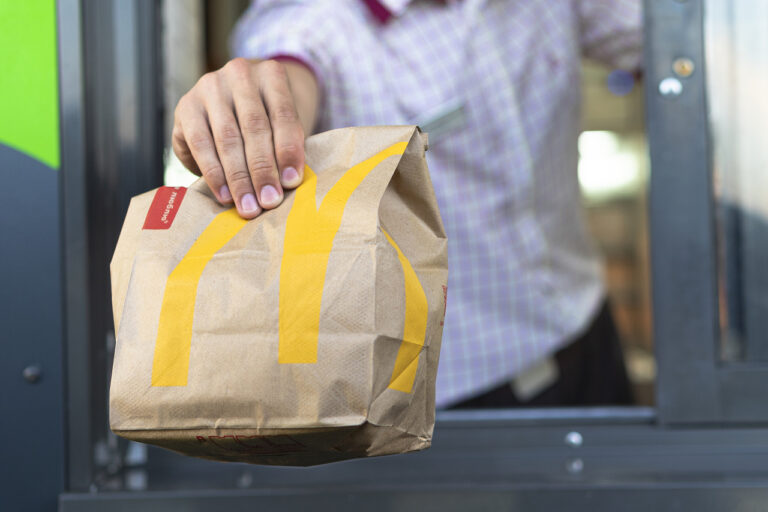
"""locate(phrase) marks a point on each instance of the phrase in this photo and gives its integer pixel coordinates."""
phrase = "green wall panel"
(29, 110)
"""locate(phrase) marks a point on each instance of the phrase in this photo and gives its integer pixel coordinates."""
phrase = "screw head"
(683, 67)
(32, 374)
(670, 87)
(245, 480)
(574, 439)
(574, 466)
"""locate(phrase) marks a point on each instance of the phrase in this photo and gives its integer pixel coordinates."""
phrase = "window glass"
(736, 40)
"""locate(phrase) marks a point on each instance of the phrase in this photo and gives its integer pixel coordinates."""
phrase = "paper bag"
(310, 334)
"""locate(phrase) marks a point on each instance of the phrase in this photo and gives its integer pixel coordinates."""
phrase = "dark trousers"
(591, 372)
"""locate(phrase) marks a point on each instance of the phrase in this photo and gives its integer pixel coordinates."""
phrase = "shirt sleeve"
(611, 31)
(286, 30)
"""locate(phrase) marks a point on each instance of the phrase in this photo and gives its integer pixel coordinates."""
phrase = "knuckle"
(228, 137)
(212, 172)
(208, 82)
(199, 141)
(182, 153)
(237, 66)
(255, 123)
(239, 179)
(285, 112)
(183, 108)
(288, 152)
(274, 68)
(229, 130)
(237, 63)
(177, 137)
(261, 166)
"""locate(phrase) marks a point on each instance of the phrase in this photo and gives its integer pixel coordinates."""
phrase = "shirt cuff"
(290, 57)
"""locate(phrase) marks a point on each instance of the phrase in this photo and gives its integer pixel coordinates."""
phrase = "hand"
(239, 128)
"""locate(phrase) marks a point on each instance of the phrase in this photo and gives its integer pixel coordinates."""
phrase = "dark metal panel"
(681, 217)
(561, 416)
(544, 499)
(504, 453)
(743, 392)
(496, 464)
(112, 142)
(75, 246)
(30, 315)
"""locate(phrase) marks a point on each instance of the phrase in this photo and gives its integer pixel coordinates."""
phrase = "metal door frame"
(112, 143)
(694, 386)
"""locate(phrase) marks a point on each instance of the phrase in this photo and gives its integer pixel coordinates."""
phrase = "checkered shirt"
(498, 84)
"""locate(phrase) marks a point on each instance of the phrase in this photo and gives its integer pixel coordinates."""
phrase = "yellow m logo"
(309, 235)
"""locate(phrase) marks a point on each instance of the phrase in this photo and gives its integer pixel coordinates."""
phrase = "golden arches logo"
(308, 242)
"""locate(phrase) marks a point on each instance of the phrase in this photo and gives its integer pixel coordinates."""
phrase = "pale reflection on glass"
(737, 81)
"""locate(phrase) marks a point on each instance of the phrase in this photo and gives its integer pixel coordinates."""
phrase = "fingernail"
(248, 203)
(225, 194)
(269, 195)
(290, 175)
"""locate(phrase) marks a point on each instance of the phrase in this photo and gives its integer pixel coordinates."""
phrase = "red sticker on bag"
(164, 206)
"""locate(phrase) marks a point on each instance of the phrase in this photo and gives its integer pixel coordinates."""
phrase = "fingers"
(229, 146)
(180, 147)
(287, 133)
(239, 129)
(256, 133)
(193, 144)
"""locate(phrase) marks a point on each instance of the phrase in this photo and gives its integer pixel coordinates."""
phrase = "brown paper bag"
(310, 334)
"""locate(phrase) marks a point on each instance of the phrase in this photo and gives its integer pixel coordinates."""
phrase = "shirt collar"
(384, 10)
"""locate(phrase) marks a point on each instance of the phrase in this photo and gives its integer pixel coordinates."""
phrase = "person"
(497, 85)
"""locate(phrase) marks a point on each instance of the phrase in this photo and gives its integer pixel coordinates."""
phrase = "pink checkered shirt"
(497, 85)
